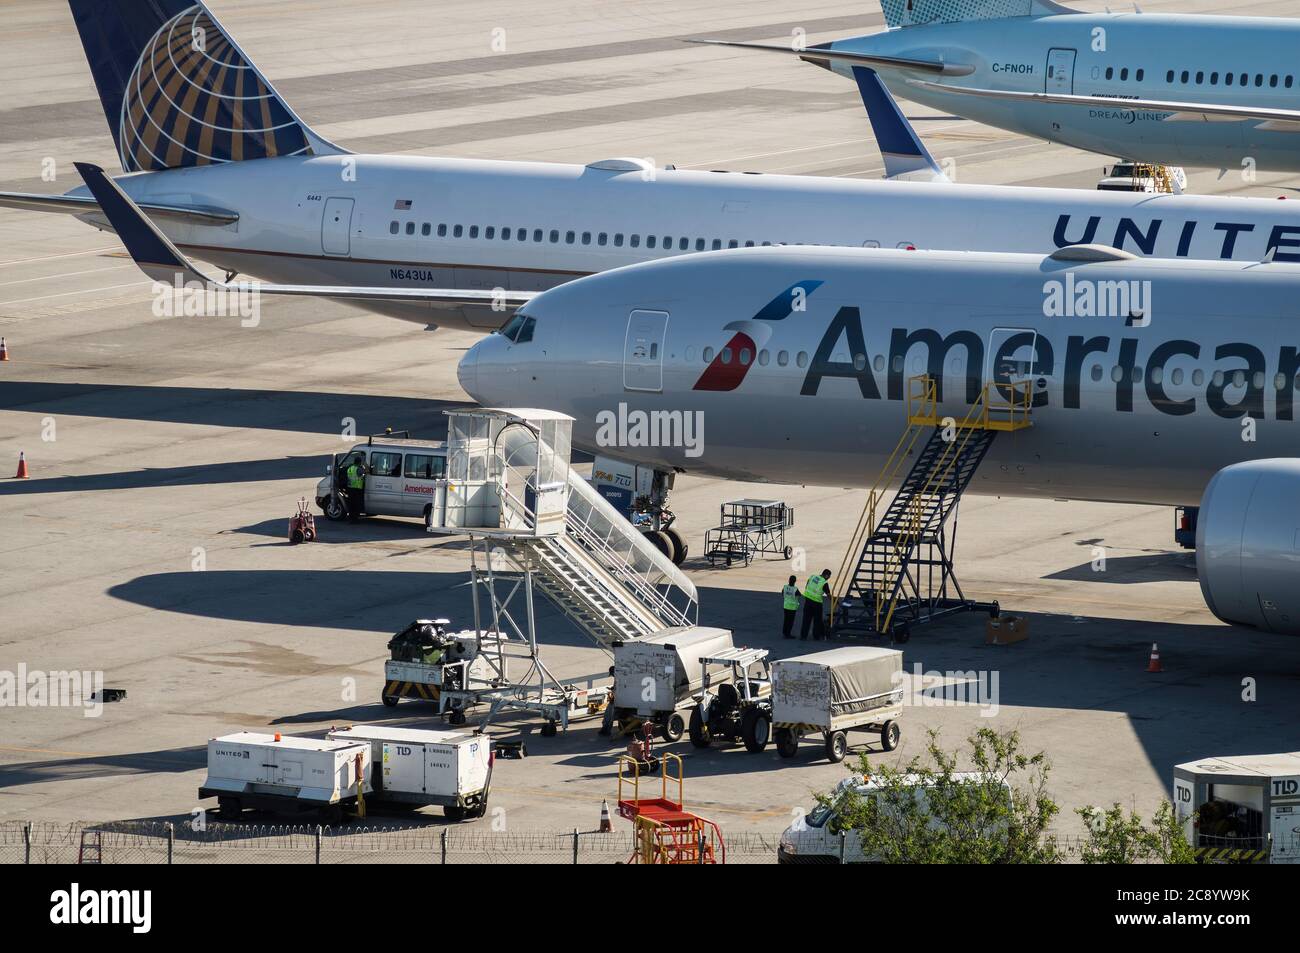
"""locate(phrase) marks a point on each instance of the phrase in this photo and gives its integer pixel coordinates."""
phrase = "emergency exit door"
(336, 227)
(643, 351)
(1060, 71)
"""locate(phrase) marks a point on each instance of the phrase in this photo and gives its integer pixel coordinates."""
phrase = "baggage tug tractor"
(831, 693)
(736, 706)
(656, 677)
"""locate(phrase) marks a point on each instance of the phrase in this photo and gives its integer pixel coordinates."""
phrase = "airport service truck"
(1243, 809)
(286, 775)
(452, 770)
(656, 676)
(856, 688)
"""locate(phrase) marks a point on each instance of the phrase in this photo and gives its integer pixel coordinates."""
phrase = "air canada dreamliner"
(1177, 89)
(235, 178)
(1154, 381)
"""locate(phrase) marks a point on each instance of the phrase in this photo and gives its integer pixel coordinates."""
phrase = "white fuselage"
(413, 222)
(1125, 411)
(1121, 55)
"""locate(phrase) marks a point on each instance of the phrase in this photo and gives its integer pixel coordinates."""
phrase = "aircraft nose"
(467, 371)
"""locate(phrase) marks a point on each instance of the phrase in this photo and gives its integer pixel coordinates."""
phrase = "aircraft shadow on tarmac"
(1070, 663)
(299, 411)
(208, 474)
(1148, 567)
(172, 761)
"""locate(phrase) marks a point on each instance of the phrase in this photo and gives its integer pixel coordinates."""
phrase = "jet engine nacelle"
(1248, 545)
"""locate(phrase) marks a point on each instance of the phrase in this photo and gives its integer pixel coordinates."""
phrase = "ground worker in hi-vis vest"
(356, 478)
(790, 597)
(814, 594)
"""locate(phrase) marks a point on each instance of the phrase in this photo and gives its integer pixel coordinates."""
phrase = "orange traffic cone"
(4, 350)
(22, 466)
(1154, 664)
(606, 825)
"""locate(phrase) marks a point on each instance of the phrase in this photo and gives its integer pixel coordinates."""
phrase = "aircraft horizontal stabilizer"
(85, 204)
(158, 258)
(823, 55)
(1178, 111)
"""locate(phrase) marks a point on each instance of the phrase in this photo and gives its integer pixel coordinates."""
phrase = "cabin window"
(802, 359)
(634, 241)
(1259, 79)
(699, 244)
(1186, 75)
(586, 238)
(1123, 74)
(749, 244)
(392, 229)
(569, 237)
(473, 231)
(1200, 78)
(1140, 74)
(602, 238)
(491, 232)
(1198, 377)
(1169, 77)
(763, 358)
(879, 363)
(1096, 372)
(649, 241)
(783, 358)
(859, 362)
(1272, 81)
(1290, 81)
(1110, 72)
(717, 243)
(1177, 376)
(458, 231)
(745, 357)
(1214, 79)
(426, 229)
(708, 355)
(726, 355)
(410, 228)
(618, 239)
(555, 236)
(442, 230)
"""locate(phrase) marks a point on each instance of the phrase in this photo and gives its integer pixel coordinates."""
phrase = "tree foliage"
(997, 811)
(1119, 837)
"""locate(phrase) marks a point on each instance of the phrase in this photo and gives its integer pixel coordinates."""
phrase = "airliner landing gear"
(656, 519)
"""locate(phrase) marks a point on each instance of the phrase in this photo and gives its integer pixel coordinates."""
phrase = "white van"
(815, 838)
(401, 475)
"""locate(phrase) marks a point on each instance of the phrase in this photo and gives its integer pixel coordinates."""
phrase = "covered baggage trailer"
(655, 677)
(449, 769)
(285, 774)
(856, 688)
(1243, 809)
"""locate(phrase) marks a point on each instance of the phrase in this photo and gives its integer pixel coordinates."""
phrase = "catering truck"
(452, 770)
(1243, 809)
(856, 688)
(285, 774)
(656, 676)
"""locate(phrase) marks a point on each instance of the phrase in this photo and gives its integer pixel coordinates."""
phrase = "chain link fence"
(167, 843)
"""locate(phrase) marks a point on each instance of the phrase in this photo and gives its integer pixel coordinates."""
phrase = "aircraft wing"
(822, 55)
(906, 157)
(1277, 120)
(82, 204)
(158, 258)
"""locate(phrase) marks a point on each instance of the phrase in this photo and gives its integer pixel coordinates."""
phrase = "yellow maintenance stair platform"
(664, 832)
(898, 571)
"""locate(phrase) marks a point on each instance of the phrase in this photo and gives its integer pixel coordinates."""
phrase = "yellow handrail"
(992, 410)
(928, 396)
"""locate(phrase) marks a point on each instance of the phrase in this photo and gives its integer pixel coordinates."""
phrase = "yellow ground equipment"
(898, 569)
(665, 833)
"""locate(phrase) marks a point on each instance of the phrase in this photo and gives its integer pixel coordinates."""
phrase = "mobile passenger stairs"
(535, 526)
(898, 570)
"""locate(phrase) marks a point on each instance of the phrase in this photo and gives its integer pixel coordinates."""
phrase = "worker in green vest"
(814, 595)
(356, 486)
(790, 598)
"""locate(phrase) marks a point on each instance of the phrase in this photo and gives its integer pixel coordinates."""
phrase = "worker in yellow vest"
(814, 595)
(356, 480)
(790, 598)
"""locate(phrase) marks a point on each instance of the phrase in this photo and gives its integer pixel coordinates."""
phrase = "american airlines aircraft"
(1175, 89)
(1151, 381)
(235, 178)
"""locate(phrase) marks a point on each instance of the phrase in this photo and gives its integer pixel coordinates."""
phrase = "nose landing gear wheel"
(680, 549)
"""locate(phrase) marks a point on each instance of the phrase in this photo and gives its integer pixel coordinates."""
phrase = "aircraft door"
(643, 351)
(1012, 355)
(336, 227)
(1060, 72)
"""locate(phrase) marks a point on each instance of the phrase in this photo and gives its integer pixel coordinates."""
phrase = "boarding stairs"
(581, 554)
(898, 570)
